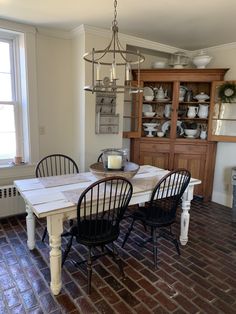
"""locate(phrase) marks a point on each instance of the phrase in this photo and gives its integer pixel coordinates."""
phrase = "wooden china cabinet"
(175, 149)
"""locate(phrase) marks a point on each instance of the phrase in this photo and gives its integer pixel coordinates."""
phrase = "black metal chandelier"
(113, 57)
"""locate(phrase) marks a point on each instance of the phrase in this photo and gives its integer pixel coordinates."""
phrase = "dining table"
(55, 198)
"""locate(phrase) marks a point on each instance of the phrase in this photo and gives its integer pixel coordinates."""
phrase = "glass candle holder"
(114, 159)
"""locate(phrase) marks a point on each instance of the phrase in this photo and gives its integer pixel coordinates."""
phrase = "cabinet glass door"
(223, 112)
(132, 115)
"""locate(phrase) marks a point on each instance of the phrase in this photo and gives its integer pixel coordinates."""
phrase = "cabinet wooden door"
(195, 163)
(160, 160)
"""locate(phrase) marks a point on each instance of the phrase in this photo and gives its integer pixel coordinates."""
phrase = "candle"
(98, 71)
(111, 76)
(127, 72)
(114, 162)
(113, 70)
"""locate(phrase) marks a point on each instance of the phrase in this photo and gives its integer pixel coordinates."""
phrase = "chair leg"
(154, 238)
(89, 269)
(44, 234)
(175, 241)
(128, 232)
(118, 260)
(67, 250)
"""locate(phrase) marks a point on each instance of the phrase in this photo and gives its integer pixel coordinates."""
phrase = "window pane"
(7, 132)
(5, 87)
(5, 57)
(5, 72)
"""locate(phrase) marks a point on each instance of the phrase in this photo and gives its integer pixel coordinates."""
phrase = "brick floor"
(201, 280)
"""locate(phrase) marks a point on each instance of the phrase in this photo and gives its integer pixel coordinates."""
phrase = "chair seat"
(95, 233)
(155, 220)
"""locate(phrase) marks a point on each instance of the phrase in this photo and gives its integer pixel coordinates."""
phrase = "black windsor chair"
(54, 165)
(99, 212)
(160, 212)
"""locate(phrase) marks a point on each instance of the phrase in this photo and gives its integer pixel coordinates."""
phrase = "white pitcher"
(203, 111)
(167, 110)
(192, 111)
(160, 93)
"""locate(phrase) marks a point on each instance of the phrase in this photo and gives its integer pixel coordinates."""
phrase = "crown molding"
(128, 39)
(220, 47)
(62, 34)
(16, 27)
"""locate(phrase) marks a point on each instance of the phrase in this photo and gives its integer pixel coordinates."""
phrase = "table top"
(52, 195)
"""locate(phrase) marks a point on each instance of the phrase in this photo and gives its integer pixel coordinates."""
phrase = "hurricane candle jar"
(114, 159)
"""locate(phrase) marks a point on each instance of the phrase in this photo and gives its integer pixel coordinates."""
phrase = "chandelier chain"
(114, 23)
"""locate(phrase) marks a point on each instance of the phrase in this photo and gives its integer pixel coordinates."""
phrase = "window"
(10, 118)
(18, 95)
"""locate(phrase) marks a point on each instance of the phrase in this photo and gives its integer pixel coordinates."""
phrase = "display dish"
(166, 99)
(147, 108)
(148, 91)
(148, 98)
(166, 125)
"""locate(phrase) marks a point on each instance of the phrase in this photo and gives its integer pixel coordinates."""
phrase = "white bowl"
(201, 60)
(160, 134)
(202, 97)
(158, 64)
(190, 132)
(150, 125)
(149, 114)
(148, 98)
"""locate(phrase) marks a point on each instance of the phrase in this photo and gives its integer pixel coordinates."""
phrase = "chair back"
(166, 196)
(101, 207)
(54, 165)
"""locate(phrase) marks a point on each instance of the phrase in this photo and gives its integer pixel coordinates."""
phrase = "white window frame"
(16, 92)
(26, 112)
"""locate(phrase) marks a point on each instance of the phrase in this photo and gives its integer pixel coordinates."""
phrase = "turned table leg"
(185, 216)
(55, 228)
(30, 225)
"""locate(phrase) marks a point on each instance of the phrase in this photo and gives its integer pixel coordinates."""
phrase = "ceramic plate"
(148, 91)
(147, 108)
(166, 125)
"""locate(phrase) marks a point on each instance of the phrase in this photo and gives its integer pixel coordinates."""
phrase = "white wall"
(55, 94)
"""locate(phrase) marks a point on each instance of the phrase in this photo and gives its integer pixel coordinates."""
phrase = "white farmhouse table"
(56, 198)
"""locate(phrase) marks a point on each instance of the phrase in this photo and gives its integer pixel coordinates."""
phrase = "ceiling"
(185, 24)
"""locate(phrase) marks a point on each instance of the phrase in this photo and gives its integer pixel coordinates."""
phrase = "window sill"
(11, 172)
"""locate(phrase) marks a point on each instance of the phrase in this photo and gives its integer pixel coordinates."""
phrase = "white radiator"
(11, 203)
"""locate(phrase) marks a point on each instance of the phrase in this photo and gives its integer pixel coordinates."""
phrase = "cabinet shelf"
(157, 102)
(194, 102)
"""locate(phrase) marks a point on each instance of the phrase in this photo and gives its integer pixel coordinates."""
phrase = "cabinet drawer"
(190, 149)
(152, 147)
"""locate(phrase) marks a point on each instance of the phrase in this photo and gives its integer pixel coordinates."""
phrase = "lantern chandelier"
(113, 57)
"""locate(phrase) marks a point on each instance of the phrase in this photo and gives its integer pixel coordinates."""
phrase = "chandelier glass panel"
(112, 59)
